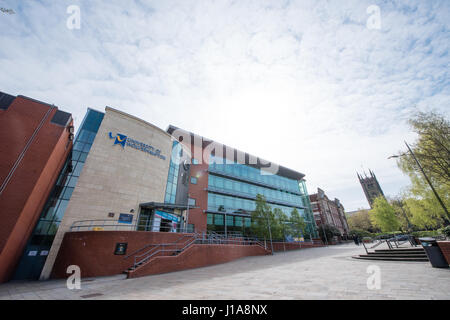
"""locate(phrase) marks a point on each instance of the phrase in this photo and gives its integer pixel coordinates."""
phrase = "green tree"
(403, 214)
(280, 225)
(383, 215)
(262, 218)
(360, 220)
(297, 224)
(432, 150)
(327, 232)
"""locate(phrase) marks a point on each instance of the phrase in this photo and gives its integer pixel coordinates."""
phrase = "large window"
(216, 222)
(247, 189)
(55, 207)
(248, 172)
(172, 179)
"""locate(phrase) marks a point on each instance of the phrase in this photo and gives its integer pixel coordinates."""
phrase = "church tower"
(370, 186)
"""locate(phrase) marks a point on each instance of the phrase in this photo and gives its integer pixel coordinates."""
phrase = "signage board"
(121, 248)
(125, 218)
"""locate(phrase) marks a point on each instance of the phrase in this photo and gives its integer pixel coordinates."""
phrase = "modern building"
(127, 185)
(36, 141)
(370, 186)
(126, 178)
(224, 183)
(327, 211)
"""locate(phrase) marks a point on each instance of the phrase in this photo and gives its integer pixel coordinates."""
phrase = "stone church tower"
(370, 186)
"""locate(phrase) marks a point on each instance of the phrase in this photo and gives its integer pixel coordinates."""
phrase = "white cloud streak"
(301, 83)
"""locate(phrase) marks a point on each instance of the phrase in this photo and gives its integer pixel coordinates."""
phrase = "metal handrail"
(197, 238)
(86, 225)
(161, 250)
(157, 244)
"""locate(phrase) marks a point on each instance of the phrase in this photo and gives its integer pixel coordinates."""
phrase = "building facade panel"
(228, 185)
(117, 176)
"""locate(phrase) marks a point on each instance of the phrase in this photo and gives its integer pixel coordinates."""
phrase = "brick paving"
(316, 273)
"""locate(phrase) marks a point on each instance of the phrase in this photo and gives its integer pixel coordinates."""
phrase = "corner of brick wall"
(445, 248)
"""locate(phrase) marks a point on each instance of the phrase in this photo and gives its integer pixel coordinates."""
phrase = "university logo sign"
(124, 140)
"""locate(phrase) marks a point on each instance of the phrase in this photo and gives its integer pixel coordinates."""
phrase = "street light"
(423, 172)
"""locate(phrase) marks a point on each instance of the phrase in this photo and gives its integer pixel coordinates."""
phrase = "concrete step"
(410, 255)
(400, 250)
(390, 258)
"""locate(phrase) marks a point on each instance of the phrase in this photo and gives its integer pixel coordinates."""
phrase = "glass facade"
(172, 179)
(38, 246)
(233, 187)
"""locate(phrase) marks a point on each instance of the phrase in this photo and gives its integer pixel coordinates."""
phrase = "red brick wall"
(93, 251)
(198, 255)
(198, 192)
(284, 246)
(445, 248)
(24, 197)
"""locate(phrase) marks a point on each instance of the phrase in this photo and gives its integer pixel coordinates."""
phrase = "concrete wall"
(23, 198)
(115, 178)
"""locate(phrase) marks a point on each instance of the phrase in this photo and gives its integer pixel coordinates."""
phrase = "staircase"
(182, 244)
(400, 254)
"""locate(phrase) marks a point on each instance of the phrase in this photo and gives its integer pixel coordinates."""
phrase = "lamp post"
(270, 234)
(426, 177)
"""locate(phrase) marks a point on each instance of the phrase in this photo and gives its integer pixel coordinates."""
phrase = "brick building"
(328, 211)
(36, 141)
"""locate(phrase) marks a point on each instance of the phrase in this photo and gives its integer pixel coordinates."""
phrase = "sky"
(321, 87)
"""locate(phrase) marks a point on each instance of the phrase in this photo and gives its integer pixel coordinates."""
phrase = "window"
(191, 202)
(218, 219)
(193, 180)
(194, 161)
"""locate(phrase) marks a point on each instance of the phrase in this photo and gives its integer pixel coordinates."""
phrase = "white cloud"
(301, 83)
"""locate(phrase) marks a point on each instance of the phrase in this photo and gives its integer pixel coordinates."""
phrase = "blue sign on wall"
(123, 140)
(125, 218)
(167, 216)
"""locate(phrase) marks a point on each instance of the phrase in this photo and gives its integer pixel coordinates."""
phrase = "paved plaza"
(316, 273)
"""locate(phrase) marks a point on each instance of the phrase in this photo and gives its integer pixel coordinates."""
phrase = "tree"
(360, 220)
(280, 227)
(327, 232)
(383, 215)
(262, 218)
(432, 150)
(402, 213)
(298, 224)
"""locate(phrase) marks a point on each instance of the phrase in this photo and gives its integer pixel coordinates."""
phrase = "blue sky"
(305, 84)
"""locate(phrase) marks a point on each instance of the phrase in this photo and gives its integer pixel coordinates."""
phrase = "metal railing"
(160, 248)
(115, 225)
(177, 247)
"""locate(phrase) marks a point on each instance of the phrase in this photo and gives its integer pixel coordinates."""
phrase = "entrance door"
(166, 225)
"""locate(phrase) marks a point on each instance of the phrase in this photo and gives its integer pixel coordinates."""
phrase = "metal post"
(225, 224)
(270, 234)
(186, 223)
(428, 180)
